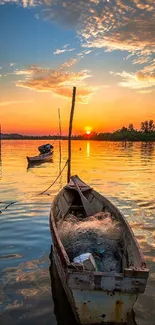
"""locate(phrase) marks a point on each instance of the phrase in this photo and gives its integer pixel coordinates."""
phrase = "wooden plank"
(86, 204)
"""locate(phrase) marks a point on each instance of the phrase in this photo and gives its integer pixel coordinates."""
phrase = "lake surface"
(125, 173)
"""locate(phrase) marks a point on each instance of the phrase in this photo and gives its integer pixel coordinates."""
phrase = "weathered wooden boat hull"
(97, 297)
(40, 158)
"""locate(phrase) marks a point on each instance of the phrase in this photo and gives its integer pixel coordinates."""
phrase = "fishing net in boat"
(99, 235)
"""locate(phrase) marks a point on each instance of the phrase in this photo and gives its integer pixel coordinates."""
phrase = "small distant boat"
(46, 153)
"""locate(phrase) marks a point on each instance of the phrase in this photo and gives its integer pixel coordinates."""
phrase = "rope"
(41, 192)
(8, 205)
(55, 179)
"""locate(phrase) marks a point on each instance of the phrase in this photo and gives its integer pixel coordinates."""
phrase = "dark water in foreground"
(126, 175)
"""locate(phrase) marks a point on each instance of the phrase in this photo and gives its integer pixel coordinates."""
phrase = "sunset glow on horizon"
(104, 48)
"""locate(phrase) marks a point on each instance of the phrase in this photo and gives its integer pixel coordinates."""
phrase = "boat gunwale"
(36, 158)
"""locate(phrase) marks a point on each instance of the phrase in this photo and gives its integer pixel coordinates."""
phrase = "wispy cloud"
(137, 80)
(14, 102)
(11, 64)
(105, 86)
(69, 63)
(83, 53)
(145, 91)
(59, 82)
(24, 3)
(64, 49)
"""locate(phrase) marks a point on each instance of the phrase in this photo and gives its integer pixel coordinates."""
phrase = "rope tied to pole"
(55, 179)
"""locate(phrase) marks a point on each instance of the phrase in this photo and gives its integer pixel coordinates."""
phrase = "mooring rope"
(55, 179)
(60, 173)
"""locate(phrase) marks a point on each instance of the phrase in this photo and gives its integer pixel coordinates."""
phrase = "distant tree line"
(145, 133)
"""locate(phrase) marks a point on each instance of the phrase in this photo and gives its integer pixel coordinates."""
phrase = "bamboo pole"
(70, 133)
(59, 135)
(0, 141)
(0, 152)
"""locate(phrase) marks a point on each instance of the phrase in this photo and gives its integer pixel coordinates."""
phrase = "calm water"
(125, 174)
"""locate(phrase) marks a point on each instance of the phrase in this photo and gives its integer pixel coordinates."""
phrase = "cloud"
(142, 79)
(110, 25)
(63, 50)
(141, 59)
(137, 80)
(68, 63)
(24, 3)
(11, 64)
(59, 82)
(105, 86)
(83, 53)
(114, 24)
(15, 102)
(83, 93)
(21, 72)
(145, 91)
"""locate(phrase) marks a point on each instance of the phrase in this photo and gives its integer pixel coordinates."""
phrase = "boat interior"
(83, 207)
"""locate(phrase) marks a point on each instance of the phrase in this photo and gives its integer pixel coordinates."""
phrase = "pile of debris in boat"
(95, 242)
(45, 148)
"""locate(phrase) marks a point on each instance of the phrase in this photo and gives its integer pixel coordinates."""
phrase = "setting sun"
(88, 129)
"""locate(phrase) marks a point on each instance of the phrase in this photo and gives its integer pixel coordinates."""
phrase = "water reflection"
(0, 166)
(0, 157)
(62, 308)
(25, 293)
(38, 163)
(147, 151)
(88, 149)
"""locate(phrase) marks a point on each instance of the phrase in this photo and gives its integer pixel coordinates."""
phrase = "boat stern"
(98, 307)
(100, 299)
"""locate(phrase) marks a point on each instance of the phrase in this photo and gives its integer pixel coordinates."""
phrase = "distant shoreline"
(100, 137)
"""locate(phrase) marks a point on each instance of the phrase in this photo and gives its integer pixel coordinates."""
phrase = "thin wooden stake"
(0, 152)
(70, 133)
(0, 141)
(59, 135)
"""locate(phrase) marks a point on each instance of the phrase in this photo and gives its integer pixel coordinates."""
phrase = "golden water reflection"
(88, 149)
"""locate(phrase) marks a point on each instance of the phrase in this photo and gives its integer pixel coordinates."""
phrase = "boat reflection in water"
(62, 308)
(37, 164)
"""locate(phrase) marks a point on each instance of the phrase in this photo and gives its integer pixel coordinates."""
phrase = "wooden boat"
(96, 297)
(40, 158)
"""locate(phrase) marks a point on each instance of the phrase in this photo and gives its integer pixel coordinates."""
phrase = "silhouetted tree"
(131, 127)
(151, 126)
(147, 126)
(123, 129)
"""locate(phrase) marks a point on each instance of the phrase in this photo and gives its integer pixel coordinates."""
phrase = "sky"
(106, 48)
